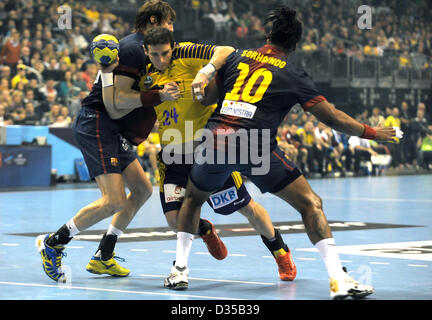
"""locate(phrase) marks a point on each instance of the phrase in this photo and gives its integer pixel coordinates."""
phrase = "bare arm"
(206, 74)
(119, 98)
(342, 122)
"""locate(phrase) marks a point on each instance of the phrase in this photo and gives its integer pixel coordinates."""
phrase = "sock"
(63, 235)
(73, 230)
(106, 247)
(328, 252)
(204, 227)
(114, 230)
(276, 245)
(184, 245)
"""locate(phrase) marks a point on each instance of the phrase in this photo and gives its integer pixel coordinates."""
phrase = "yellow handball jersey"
(185, 115)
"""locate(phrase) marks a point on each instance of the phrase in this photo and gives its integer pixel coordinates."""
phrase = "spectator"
(31, 117)
(64, 111)
(89, 75)
(49, 88)
(395, 148)
(20, 77)
(25, 57)
(220, 24)
(419, 125)
(50, 117)
(407, 143)
(59, 122)
(314, 148)
(10, 52)
(75, 105)
(5, 119)
(424, 151)
(376, 117)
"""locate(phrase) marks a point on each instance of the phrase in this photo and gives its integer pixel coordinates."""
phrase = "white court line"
(237, 255)
(418, 265)
(378, 199)
(56, 190)
(215, 280)
(204, 253)
(309, 259)
(139, 250)
(168, 251)
(116, 290)
(383, 263)
(10, 244)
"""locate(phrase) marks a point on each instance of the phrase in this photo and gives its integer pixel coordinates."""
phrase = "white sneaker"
(348, 287)
(178, 279)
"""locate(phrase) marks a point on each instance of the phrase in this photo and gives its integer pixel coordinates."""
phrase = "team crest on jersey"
(148, 81)
(114, 162)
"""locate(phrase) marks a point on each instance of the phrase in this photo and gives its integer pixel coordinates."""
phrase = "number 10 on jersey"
(247, 95)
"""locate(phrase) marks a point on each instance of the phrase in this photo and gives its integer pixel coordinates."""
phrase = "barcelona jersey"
(259, 87)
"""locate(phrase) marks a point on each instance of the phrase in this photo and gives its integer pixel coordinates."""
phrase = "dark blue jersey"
(132, 63)
(259, 87)
(137, 124)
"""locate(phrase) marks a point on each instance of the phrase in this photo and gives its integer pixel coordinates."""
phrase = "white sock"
(184, 245)
(114, 230)
(73, 230)
(330, 256)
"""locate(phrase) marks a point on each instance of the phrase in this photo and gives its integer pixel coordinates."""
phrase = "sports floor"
(382, 226)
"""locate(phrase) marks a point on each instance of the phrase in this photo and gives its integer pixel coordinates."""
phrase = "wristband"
(368, 133)
(150, 98)
(209, 70)
(107, 79)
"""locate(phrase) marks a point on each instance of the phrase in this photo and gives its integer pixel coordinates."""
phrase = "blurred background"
(379, 74)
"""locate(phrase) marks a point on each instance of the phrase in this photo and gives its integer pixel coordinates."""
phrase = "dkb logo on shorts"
(224, 197)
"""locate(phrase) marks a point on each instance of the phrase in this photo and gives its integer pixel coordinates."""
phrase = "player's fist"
(170, 92)
(108, 68)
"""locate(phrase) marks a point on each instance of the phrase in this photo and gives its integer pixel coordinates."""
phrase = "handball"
(104, 49)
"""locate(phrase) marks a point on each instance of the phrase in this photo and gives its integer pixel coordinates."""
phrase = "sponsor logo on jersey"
(238, 109)
(174, 193)
(223, 197)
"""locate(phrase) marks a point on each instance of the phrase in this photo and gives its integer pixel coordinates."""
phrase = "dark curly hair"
(283, 28)
(161, 10)
(157, 36)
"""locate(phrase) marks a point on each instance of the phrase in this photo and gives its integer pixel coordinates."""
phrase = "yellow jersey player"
(171, 70)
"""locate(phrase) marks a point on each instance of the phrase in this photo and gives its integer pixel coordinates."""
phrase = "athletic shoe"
(110, 266)
(286, 266)
(348, 287)
(178, 279)
(214, 244)
(51, 258)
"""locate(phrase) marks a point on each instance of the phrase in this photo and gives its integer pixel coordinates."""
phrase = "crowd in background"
(46, 71)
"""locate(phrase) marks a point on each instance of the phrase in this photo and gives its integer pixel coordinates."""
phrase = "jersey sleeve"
(194, 54)
(307, 93)
(131, 61)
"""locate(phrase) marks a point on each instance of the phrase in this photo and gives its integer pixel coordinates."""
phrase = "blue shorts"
(230, 197)
(99, 139)
(282, 172)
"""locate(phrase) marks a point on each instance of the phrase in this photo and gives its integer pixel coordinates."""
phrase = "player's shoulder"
(132, 43)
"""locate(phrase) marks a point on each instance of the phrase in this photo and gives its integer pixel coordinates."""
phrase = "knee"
(142, 192)
(115, 204)
(312, 203)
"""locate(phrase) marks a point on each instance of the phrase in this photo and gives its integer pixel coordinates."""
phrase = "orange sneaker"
(214, 244)
(286, 266)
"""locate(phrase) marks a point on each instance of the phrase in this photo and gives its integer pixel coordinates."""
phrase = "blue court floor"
(382, 226)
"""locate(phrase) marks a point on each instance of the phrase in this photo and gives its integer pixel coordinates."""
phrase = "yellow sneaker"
(111, 267)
